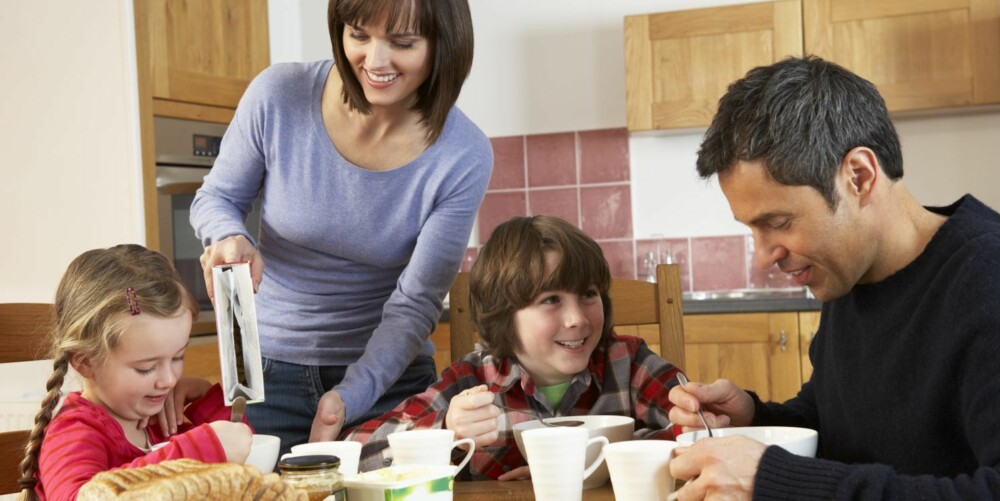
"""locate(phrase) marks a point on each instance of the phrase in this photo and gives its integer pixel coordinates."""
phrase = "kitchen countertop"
(738, 301)
(758, 305)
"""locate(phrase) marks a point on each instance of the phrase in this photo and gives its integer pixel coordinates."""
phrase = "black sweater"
(905, 391)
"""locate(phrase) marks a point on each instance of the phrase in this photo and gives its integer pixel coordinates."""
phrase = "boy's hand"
(471, 414)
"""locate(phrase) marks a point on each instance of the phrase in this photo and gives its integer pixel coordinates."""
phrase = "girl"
(539, 298)
(122, 320)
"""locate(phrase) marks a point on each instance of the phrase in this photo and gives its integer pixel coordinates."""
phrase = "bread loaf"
(188, 479)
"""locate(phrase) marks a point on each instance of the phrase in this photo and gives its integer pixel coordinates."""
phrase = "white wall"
(70, 170)
(558, 65)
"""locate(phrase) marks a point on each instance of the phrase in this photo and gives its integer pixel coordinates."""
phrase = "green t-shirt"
(555, 393)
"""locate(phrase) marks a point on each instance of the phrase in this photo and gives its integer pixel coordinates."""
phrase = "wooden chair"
(634, 302)
(23, 338)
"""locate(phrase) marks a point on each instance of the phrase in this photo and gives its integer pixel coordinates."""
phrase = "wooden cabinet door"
(808, 325)
(678, 64)
(757, 351)
(921, 54)
(203, 51)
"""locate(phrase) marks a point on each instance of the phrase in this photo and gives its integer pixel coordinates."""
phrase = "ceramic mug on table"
(556, 458)
(349, 453)
(427, 447)
(640, 469)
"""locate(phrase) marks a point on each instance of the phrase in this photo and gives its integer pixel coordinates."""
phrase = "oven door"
(176, 186)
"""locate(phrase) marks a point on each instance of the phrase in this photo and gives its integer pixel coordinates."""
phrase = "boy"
(539, 299)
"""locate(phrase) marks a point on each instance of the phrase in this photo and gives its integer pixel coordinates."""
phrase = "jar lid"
(312, 462)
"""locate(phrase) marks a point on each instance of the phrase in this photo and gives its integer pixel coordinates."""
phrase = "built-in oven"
(185, 152)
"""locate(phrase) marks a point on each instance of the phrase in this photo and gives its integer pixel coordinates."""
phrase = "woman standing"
(370, 180)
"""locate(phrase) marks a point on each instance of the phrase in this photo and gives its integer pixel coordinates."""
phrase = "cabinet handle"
(783, 341)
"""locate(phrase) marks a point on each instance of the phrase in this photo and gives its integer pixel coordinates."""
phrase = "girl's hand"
(236, 439)
(187, 389)
(234, 249)
(471, 414)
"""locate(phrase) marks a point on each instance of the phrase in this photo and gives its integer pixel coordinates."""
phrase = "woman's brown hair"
(510, 273)
(447, 25)
(96, 298)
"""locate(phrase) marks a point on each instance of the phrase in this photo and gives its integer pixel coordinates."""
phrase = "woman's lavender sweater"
(357, 261)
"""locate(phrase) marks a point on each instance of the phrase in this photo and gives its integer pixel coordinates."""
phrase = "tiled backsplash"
(583, 177)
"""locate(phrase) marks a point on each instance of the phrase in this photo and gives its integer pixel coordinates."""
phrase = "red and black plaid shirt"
(623, 378)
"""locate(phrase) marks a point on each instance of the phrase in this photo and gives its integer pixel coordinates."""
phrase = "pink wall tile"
(606, 211)
(604, 156)
(678, 248)
(771, 278)
(552, 159)
(561, 202)
(508, 163)
(718, 263)
(620, 258)
(499, 207)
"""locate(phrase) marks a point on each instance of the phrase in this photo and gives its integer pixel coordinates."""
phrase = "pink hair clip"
(133, 302)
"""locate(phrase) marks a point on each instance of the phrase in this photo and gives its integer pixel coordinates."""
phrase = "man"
(905, 391)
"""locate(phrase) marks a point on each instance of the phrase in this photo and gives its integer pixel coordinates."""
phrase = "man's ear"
(860, 170)
(83, 365)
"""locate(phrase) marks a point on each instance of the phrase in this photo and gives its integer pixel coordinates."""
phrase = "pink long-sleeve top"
(84, 440)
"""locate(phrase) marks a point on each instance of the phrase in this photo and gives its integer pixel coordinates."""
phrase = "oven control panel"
(206, 146)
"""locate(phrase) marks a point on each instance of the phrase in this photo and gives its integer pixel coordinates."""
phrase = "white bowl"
(264, 452)
(801, 441)
(614, 428)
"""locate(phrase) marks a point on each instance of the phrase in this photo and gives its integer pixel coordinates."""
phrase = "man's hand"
(330, 416)
(471, 414)
(721, 468)
(722, 402)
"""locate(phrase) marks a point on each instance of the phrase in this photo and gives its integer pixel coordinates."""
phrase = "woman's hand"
(236, 439)
(330, 415)
(471, 414)
(234, 249)
(722, 402)
(187, 390)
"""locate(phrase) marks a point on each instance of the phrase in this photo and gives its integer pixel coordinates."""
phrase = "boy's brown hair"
(510, 273)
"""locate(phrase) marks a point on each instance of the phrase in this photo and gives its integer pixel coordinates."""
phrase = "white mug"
(640, 469)
(348, 451)
(556, 458)
(428, 446)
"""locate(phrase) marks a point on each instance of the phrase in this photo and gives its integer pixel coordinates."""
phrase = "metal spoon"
(683, 380)
(239, 407)
(534, 414)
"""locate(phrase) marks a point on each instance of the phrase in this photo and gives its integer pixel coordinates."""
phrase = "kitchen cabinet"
(922, 55)
(764, 352)
(202, 52)
(678, 64)
(201, 358)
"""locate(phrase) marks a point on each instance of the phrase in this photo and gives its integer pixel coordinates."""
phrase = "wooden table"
(517, 490)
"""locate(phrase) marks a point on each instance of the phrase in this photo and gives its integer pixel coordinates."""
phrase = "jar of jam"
(318, 475)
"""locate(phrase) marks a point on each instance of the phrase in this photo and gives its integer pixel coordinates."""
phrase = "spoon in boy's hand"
(534, 414)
